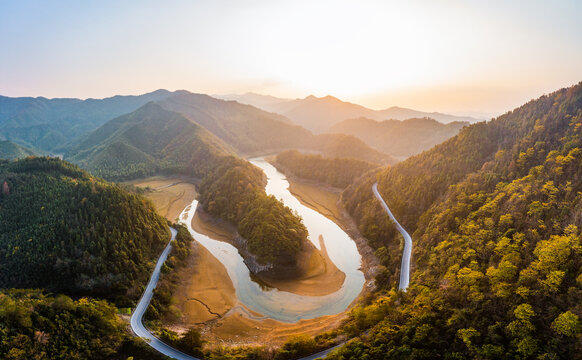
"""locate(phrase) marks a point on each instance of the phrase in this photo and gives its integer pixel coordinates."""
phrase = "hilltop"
(494, 213)
(67, 231)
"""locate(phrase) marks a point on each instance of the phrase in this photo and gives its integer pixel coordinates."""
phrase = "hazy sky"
(450, 55)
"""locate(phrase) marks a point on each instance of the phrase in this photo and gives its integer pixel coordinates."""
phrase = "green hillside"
(50, 124)
(497, 258)
(145, 142)
(66, 231)
(244, 127)
(234, 191)
(36, 325)
(10, 150)
(251, 131)
(348, 146)
(338, 172)
(399, 138)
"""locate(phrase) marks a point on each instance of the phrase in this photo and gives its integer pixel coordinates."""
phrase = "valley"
(228, 314)
(291, 180)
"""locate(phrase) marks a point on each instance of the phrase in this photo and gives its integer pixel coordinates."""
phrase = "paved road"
(321, 355)
(405, 265)
(136, 318)
(140, 330)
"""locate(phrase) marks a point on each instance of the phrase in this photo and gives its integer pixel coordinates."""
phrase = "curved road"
(140, 330)
(136, 318)
(405, 265)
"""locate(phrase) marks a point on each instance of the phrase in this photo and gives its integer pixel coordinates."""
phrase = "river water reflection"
(282, 305)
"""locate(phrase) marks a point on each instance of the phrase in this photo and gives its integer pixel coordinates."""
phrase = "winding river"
(281, 305)
(269, 302)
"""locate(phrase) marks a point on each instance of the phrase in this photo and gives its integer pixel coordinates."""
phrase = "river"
(281, 305)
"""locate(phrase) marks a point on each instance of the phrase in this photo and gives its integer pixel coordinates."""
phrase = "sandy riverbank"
(318, 199)
(170, 195)
(319, 276)
(326, 200)
(238, 329)
(205, 291)
(206, 295)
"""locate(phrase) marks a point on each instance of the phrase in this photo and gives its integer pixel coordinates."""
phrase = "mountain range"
(63, 126)
(50, 124)
(401, 138)
(319, 114)
(187, 133)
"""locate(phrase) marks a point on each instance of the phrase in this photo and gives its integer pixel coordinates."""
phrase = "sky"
(457, 56)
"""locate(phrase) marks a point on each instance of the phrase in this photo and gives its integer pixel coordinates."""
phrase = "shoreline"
(169, 194)
(214, 308)
(309, 193)
(320, 275)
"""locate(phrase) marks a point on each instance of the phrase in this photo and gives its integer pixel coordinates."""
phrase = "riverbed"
(281, 305)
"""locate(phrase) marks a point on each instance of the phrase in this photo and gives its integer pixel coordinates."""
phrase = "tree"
(567, 324)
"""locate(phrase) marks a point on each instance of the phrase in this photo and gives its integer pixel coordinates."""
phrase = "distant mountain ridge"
(247, 129)
(318, 114)
(399, 137)
(50, 124)
(148, 141)
(187, 133)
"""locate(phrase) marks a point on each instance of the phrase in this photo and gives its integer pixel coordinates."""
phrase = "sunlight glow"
(379, 53)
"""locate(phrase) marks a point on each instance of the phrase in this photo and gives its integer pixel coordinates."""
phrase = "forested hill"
(533, 129)
(49, 124)
(147, 141)
(497, 254)
(399, 138)
(66, 231)
(338, 172)
(247, 129)
(10, 150)
(251, 131)
(234, 191)
(348, 146)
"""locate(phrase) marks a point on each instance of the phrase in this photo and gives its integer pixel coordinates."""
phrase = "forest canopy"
(66, 231)
(337, 172)
(498, 261)
(234, 192)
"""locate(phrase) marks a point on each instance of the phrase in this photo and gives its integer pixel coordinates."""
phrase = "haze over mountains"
(63, 126)
(319, 114)
(49, 124)
(399, 138)
(10, 150)
(494, 212)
